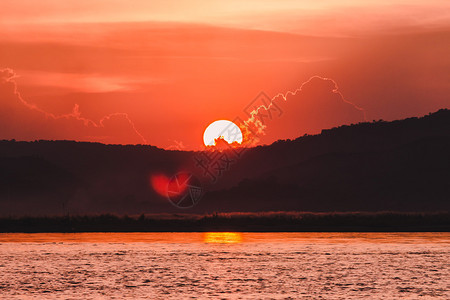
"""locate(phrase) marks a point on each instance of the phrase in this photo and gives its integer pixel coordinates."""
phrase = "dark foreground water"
(225, 265)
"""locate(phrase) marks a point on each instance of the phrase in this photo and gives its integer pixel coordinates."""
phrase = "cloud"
(317, 104)
(179, 145)
(82, 82)
(22, 120)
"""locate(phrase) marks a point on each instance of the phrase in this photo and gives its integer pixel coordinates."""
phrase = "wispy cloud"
(317, 104)
(71, 125)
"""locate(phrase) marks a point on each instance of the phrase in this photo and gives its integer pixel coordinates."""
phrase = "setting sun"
(222, 129)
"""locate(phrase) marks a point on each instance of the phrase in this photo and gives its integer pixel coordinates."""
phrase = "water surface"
(225, 265)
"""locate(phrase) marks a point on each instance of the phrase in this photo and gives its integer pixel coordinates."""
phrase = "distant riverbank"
(244, 222)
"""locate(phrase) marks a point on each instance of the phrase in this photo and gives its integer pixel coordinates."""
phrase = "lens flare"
(160, 183)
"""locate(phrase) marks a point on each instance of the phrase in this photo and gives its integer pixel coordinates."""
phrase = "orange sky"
(159, 72)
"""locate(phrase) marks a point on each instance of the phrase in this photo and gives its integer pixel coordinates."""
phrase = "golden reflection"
(222, 237)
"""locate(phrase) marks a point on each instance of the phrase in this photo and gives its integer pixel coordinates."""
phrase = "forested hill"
(397, 166)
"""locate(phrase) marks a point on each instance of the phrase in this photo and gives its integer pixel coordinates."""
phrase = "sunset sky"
(159, 72)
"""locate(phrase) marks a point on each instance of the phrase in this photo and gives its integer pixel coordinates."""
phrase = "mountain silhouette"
(379, 166)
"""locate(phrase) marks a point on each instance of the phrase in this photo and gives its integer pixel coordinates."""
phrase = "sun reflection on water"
(222, 237)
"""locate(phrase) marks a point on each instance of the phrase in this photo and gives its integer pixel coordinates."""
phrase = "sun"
(224, 129)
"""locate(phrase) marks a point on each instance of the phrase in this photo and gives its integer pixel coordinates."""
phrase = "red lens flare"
(179, 185)
(160, 183)
(164, 186)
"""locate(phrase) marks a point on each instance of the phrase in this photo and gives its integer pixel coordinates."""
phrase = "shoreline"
(234, 222)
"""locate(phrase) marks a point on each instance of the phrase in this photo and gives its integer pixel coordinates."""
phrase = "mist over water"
(225, 265)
